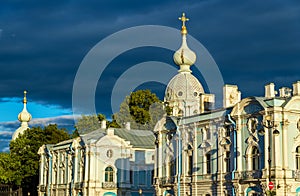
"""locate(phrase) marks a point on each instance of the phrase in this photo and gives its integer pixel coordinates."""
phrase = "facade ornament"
(252, 125)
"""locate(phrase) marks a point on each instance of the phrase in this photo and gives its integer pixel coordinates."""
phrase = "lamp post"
(140, 192)
(269, 124)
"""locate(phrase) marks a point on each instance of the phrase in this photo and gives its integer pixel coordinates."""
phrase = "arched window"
(298, 158)
(255, 158)
(109, 174)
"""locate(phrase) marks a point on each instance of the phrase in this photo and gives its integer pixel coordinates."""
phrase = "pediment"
(247, 106)
(293, 104)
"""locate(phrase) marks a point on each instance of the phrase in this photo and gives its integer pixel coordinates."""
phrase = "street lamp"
(269, 124)
(140, 192)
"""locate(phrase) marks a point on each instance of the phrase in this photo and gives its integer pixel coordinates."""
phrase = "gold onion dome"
(184, 56)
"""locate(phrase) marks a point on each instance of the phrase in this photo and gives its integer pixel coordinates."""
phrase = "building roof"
(137, 138)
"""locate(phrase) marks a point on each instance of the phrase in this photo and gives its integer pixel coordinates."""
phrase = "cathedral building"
(105, 162)
(249, 146)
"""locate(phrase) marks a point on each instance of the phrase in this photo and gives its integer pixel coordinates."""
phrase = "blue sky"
(43, 43)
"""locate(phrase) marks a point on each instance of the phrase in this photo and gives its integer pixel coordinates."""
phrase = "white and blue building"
(238, 149)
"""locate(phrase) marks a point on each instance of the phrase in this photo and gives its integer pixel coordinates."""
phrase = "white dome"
(184, 56)
(24, 116)
(183, 86)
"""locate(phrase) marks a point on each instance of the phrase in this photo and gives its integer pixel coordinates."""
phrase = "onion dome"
(24, 117)
(184, 56)
(184, 89)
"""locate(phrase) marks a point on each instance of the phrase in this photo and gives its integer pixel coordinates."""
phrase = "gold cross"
(183, 19)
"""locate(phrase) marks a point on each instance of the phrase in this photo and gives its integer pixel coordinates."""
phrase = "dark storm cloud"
(43, 42)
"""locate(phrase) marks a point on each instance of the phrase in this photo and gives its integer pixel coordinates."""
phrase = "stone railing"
(248, 175)
(167, 181)
(108, 185)
(296, 175)
(78, 185)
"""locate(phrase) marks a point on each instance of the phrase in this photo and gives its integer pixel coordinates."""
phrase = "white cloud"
(6, 149)
(6, 133)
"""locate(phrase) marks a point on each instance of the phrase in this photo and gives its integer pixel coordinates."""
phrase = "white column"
(92, 164)
(284, 144)
(75, 165)
(160, 156)
(277, 151)
(42, 170)
(266, 137)
(239, 150)
(167, 163)
(87, 162)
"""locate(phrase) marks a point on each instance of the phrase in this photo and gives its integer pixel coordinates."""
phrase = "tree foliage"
(7, 174)
(88, 123)
(24, 154)
(142, 109)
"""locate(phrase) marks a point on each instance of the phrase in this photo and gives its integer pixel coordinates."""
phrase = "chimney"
(285, 92)
(127, 126)
(207, 102)
(270, 90)
(103, 124)
(110, 131)
(231, 95)
(296, 88)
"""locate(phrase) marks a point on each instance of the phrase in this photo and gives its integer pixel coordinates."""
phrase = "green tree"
(24, 154)
(7, 173)
(142, 109)
(88, 123)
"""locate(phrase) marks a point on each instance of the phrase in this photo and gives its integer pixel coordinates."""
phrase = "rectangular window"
(131, 176)
(140, 157)
(152, 176)
(208, 134)
(208, 163)
(190, 165)
(227, 160)
(297, 162)
(142, 177)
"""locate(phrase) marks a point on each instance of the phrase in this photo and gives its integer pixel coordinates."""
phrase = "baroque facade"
(238, 149)
(104, 162)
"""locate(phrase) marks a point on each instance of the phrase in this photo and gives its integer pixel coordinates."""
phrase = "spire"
(24, 99)
(183, 28)
(24, 117)
(184, 57)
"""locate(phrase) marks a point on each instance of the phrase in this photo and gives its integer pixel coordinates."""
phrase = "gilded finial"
(184, 19)
(25, 99)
